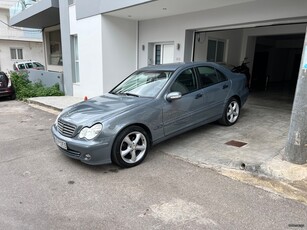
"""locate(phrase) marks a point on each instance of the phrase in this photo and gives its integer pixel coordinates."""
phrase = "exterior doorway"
(276, 64)
(164, 53)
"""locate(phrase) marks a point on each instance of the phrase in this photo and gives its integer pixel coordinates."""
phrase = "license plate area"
(60, 143)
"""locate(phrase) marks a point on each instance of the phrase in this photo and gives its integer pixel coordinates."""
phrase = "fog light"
(87, 157)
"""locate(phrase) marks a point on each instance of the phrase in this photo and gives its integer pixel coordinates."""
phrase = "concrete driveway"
(259, 135)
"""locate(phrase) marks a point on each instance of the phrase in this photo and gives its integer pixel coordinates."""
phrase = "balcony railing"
(21, 5)
(20, 33)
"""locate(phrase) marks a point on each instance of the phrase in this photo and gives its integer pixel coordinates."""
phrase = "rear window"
(2, 77)
(37, 64)
(3, 80)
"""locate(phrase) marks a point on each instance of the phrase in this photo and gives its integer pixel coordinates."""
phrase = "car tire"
(231, 112)
(130, 147)
(13, 97)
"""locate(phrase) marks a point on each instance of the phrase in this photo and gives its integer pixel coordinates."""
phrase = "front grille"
(66, 129)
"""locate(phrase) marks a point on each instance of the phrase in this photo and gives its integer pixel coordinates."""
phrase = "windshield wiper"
(131, 94)
(125, 93)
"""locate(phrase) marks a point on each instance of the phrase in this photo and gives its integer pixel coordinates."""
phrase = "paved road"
(42, 189)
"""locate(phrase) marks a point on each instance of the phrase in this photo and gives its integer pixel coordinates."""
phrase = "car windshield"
(143, 83)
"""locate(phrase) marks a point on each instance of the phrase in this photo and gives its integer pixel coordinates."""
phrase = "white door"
(168, 53)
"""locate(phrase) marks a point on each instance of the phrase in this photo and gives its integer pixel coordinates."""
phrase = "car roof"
(166, 67)
(22, 62)
(178, 65)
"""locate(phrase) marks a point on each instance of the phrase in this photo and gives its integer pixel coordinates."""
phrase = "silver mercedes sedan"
(151, 105)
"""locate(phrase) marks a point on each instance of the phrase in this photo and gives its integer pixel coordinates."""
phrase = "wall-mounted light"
(143, 47)
(178, 46)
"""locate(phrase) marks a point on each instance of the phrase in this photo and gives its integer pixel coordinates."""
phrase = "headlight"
(90, 133)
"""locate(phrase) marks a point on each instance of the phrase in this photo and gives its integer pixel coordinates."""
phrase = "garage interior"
(276, 64)
(273, 55)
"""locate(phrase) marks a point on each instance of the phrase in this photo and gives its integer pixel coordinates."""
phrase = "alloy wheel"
(133, 147)
(233, 111)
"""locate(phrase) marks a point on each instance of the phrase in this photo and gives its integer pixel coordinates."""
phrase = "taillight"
(9, 83)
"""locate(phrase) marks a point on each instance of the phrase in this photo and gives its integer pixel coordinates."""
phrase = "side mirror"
(173, 96)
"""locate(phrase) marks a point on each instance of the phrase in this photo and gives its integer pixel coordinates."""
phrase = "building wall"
(119, 38)
(107, 52)
(90, 57)
(235, 16)
(29, 41)
(31, 51)
(66, 46)
(96, 7)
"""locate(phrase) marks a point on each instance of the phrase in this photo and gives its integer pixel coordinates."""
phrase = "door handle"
(225, 86)
(198, 95)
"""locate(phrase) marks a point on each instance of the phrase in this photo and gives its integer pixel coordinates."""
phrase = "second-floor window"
(16, 54)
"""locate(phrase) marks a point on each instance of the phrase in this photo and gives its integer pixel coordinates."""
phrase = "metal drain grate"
(238, 144)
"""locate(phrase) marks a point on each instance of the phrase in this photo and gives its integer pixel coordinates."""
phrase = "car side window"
(21, 66)
(210, 76)
(185, 83)
(29, 65)
(221, 76)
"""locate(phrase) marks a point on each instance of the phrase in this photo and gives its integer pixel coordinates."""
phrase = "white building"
(98, 43)
(17, 43)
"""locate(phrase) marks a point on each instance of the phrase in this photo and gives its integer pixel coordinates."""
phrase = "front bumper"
(98, 150)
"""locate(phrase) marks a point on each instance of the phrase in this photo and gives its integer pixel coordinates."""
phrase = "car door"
(186, 111)
(216, 87)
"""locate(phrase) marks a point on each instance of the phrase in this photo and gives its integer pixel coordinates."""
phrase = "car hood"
(101, 108)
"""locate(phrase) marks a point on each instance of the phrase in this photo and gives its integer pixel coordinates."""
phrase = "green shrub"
(26, 89)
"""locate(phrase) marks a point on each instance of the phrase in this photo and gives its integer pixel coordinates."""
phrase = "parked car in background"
(6, 87)
(24, 65)
(151, 105)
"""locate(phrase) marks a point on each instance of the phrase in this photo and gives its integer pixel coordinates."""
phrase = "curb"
(277, 168)
(29, 101)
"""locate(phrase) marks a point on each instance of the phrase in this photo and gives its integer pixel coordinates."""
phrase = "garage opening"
(276, 64)
(273, 54)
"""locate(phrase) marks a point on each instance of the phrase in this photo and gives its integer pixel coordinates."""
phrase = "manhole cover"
(236, 143)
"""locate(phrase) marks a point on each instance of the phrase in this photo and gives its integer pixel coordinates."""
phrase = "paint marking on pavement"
(178, 211)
